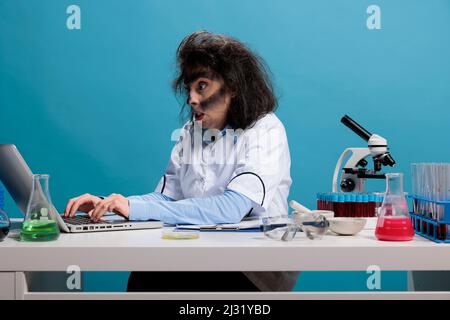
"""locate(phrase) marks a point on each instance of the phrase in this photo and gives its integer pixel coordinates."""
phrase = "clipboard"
(246, 225)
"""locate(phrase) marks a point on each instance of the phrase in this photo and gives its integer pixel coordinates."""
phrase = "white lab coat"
(254, 162)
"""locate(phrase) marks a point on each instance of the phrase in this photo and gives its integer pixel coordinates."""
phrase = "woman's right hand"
(85, 203)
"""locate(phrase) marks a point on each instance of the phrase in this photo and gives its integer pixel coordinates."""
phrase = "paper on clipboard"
(253, 223)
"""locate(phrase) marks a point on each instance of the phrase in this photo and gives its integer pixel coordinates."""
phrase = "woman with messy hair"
(231, 161)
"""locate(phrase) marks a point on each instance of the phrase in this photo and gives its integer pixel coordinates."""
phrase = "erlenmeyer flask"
(39, 224)
(394, 222)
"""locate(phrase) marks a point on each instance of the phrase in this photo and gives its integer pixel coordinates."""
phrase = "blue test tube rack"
(429, 228)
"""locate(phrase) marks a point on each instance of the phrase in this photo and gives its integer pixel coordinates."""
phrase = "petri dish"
(176, 234)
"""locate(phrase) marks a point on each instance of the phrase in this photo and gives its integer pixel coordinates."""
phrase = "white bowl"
(347, 226)
(327, 214)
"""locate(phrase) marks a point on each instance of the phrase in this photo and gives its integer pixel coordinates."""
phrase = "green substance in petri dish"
(39, 230)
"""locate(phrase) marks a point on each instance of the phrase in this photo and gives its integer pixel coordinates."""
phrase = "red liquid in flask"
(391, 228)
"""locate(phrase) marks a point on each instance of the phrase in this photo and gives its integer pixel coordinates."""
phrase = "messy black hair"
(243, 72)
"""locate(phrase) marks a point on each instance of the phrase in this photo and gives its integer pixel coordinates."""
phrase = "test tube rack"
(350, 204)
(437, 230)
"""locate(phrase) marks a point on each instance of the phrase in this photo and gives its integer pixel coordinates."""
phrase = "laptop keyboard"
(79, 220)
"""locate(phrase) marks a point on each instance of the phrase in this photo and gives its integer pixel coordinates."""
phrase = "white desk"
(144, 250)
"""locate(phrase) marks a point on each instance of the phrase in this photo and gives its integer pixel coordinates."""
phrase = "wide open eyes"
(201, 86)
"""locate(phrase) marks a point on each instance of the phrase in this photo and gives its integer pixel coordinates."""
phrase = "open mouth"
(199, 116)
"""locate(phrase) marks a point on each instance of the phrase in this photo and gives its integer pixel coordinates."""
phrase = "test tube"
(347, 211)
(366, 205)
(414, 184)
(340, 205)
(335, 203)
(345, 205)
(334, 200)
(371, 206)
(447, 197)
(354, 199)
(360, 203)
(319, 201)
(353, 204)
(327, 200)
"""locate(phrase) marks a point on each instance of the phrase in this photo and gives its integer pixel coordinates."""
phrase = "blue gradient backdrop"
(94, 108)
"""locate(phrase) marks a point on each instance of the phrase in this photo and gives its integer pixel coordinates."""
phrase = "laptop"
(17, 178)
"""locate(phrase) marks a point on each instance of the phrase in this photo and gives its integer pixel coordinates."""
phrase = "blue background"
(94, 108)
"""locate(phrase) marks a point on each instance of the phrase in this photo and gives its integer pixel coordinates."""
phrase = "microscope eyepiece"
(356, 127)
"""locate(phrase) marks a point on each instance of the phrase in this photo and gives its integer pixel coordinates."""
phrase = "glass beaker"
(39, 224)
(394, 222)
(5, 224)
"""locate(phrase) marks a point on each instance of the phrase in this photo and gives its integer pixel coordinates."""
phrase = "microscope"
(355, 173)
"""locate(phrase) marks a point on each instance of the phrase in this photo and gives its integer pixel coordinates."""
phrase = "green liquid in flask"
(39, 230)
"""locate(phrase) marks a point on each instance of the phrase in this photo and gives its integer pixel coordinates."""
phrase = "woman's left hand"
(114, 203)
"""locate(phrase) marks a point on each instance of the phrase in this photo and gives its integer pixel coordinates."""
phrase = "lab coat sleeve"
(169, 183)
(229, 207)
(263, 166)
(151, 196)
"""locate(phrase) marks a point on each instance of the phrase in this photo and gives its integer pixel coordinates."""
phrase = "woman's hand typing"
(96, 207)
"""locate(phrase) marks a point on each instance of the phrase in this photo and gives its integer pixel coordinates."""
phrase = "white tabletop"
(145, 250)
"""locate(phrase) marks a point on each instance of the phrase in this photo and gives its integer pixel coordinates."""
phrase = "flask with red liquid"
(394, 222)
